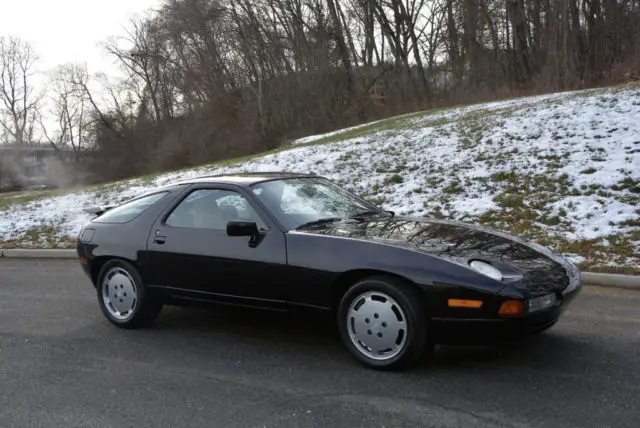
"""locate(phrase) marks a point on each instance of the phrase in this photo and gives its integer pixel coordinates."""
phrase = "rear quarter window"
(130, 210)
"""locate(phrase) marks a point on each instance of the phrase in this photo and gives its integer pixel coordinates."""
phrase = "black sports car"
(396, 285)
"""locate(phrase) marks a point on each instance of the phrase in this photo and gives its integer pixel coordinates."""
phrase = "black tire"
(146, 307)
(416, 343)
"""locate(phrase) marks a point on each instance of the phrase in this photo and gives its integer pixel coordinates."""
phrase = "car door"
(192, 255)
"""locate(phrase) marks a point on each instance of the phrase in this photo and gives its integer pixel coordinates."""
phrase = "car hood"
(527, 265)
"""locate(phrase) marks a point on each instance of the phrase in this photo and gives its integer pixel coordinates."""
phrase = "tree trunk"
(454, 47)
(518, 21)
(338, 35)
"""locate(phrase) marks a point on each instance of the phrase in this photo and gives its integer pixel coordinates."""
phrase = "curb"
(588, 278)
(39, 254)
(630, 282)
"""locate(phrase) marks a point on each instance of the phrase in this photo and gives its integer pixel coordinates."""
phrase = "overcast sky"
(63, 31)
(69, 30)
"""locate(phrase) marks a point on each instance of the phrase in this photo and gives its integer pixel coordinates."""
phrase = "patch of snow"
(575, 258)
(313, 138)
(449, 113)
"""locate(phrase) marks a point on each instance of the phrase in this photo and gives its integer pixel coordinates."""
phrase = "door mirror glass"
(242, 228)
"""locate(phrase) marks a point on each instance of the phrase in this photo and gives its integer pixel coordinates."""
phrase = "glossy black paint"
(279, 269)
(209, 264)
(457, 243)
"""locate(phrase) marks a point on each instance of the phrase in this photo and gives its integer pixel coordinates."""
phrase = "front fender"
(317, 261)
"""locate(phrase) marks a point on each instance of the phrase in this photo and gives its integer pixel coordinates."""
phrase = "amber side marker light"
(459, 303)
(512, 307)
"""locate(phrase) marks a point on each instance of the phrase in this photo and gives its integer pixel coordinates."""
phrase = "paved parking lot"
(62, 364)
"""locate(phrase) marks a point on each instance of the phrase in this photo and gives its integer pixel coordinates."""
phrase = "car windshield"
(300, 202)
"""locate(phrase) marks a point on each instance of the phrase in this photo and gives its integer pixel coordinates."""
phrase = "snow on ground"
(565, 165)
(314, 138)
(444, 114)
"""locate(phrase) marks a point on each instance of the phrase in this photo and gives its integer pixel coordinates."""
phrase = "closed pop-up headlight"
(486, 269)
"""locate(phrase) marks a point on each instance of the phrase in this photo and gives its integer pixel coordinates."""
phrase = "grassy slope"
(524, 190)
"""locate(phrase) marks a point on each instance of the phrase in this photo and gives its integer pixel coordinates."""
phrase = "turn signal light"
(512, 307)
(459, 303)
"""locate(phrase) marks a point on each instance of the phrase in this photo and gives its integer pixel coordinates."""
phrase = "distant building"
(35, 166)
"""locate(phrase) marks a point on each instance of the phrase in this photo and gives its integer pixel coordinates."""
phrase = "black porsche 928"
(396, 285)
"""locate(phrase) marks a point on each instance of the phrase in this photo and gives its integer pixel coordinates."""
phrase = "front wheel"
(383, 323)
(123, 299)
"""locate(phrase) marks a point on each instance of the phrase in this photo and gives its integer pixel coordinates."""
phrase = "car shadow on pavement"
(545, 349)
(248, 331)
(262, 332)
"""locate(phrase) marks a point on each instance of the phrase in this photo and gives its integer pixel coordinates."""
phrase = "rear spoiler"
(98, 211)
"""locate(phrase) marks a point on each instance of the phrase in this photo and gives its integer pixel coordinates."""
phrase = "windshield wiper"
(319, 222)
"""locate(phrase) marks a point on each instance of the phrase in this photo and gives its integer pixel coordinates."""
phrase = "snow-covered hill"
(563, 169)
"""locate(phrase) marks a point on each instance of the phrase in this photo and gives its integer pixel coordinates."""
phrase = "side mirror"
(242, 228)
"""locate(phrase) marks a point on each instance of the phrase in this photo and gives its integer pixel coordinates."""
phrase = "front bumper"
(501, 329)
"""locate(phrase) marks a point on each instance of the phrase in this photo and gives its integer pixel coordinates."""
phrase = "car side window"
(130, 210)
(212, 209)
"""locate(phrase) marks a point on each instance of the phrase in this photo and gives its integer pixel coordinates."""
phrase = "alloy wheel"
(119, 293)
(377, 325)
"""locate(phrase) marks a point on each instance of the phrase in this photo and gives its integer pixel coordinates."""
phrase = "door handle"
(159, 239)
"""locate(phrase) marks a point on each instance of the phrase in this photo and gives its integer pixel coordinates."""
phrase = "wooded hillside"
(212, 79)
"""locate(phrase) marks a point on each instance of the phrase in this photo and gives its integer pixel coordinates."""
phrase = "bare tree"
(148, 66)
(434, 33)
(70, 108)
(19, 100)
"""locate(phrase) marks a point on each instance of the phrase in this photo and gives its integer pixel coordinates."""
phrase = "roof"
(246, 178)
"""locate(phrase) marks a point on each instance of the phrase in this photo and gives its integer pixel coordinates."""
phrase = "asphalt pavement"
(63, 365)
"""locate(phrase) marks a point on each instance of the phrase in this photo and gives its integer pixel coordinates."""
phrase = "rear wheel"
(383, 323)
(123, 299)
